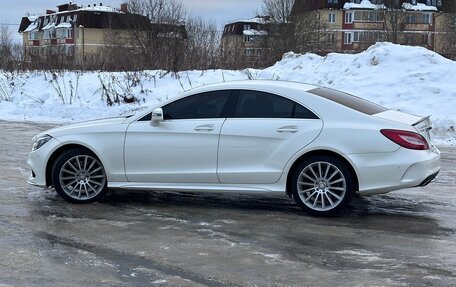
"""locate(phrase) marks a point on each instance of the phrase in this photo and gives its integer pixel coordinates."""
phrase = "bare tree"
(8, 49)
(279, 10)
(446, 38)
(299, 33)
(158, 39)
(281, 32)
(394, 22)
(203, 45)
(160, 11)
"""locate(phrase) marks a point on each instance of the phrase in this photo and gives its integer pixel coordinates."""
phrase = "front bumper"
(37, 161)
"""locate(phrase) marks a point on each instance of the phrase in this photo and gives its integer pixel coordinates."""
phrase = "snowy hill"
(410, 79)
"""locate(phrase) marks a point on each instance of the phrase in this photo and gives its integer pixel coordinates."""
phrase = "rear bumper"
(430, 179)
(404, 168)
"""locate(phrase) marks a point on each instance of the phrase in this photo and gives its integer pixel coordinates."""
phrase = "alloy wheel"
(321, 186)
(82, 177)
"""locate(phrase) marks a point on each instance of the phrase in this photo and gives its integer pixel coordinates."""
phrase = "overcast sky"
(221, 11)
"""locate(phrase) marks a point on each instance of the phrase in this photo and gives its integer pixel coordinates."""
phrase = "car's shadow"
(381, 212)
(205, 199)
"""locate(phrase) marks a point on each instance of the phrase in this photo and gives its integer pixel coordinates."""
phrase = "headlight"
(39, 142)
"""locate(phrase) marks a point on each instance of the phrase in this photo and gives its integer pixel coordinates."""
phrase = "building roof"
(364, 4)
(303, 6)
(419, 7)
(100, 17)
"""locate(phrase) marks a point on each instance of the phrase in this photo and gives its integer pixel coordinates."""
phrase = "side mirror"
(157, 117)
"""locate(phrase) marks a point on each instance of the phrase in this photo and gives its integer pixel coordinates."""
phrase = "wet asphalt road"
(405, 238)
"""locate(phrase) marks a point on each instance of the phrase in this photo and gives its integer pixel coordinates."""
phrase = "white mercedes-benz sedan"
(319, 145)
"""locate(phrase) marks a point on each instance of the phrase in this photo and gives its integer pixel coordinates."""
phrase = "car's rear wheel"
(79, 177)
(322, 185)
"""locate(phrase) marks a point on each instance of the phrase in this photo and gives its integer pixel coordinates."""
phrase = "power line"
(7, 24)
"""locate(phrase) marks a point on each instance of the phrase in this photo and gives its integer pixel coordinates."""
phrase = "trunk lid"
(422, 124)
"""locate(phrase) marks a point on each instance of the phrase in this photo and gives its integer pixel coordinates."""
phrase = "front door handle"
(288, 129)
(204, 128)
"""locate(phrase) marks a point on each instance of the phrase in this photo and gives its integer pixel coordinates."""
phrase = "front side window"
(206, 105)
(254, 104)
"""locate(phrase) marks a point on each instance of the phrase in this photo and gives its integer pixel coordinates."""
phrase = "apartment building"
(354, 25)
(244, 40)
(83, 33)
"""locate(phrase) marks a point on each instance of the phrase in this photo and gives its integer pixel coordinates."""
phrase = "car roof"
(253, 85)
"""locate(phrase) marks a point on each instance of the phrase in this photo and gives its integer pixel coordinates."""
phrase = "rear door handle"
(288, 129)
(204, 128)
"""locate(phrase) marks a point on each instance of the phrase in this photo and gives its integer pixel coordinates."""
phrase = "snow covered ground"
(410, 79)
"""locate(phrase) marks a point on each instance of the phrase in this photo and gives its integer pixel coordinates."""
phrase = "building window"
(427, 18)
(333, 1)
(250, 52)
(35, 51)
(64, 33)
(61, 33)
(411, 18)
(330, 39)
(434, 2)
(249, 38)
(348, 38)
(367, 36)
(66, 50)
(368, 16)
(50, 34)
(348, 17)
(332, 17)
(33, 36)
(247, 27)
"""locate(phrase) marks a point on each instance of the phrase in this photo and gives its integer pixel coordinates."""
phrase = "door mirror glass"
(157, 117)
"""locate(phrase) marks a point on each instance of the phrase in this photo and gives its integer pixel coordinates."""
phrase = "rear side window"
(253, 104)
(350, 101)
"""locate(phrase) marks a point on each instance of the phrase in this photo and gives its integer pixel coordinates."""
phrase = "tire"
(79, 177)
(322, 185)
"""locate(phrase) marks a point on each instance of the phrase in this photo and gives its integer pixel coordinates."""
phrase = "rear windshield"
(348, 100)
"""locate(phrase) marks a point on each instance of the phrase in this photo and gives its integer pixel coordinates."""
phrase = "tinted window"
(350, 101)
(253, 104)
(206, 105)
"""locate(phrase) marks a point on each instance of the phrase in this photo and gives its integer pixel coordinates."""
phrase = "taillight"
(407, 139)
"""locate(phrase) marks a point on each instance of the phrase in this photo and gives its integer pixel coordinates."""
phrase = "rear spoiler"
(423, 124)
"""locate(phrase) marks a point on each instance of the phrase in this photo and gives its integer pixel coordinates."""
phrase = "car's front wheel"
(322, 185)
(79, 177)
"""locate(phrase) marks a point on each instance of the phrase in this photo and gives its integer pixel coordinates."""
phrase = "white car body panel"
(183, 151)
(269, 145)
(231, 157)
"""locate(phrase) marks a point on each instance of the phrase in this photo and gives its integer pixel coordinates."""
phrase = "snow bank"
(365, 4)
(419, 7)
(410, 79)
